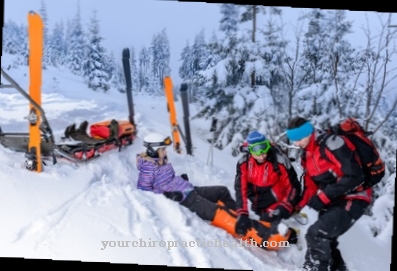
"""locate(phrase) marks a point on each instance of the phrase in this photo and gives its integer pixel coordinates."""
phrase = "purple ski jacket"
(159, 178)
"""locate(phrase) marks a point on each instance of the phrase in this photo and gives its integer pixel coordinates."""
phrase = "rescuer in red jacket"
(333, 188)
(266, 178)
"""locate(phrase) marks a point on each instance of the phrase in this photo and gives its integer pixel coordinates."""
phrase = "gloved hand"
(293, 238)
(279, 213)
(316, 203)
(174, 195)
(185, 177)
(297, 209)
(243, 224)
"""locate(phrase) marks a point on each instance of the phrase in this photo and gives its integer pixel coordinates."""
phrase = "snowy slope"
(71, 212)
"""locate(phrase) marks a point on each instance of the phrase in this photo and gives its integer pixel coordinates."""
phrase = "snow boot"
(222, 204)
(267, 236)
(225, 219)
(338, 264)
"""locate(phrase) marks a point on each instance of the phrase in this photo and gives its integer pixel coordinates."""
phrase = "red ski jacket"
(263, 185)
(336, 178)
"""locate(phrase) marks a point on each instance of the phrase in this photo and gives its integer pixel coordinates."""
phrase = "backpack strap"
(322, 142)
(279, 157)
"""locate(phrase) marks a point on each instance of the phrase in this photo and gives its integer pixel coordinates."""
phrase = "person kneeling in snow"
(211, 203)
(266, 178)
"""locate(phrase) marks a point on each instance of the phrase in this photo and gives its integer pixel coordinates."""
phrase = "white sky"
(126, 23)
(65, 212)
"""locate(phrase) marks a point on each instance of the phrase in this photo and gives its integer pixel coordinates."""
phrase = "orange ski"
(171, 109)
(35, 31)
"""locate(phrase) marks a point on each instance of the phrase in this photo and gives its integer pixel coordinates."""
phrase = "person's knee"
(223, 190)
(313, 231)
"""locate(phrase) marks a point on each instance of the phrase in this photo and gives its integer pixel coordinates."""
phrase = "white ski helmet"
(154, 141)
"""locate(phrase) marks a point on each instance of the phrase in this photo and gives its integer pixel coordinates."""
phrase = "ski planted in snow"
(128, 81)
(171, 110)
(35, 35)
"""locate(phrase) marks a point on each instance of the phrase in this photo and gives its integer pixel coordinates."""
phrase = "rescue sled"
(77, 145)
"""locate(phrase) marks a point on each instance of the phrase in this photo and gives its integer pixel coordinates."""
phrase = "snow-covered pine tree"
(15, 42)
(95, 67)
(144, 68)
(134, 70)
(56, 46)
(75, 44)
(193, 61)
(160, 51)
(46, 51)
(185, 70)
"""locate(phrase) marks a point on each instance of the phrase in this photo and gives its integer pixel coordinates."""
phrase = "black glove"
(279, 213)
(316, 203)
(174, 195)
(243, 224)
(185, 177)
(293, 237)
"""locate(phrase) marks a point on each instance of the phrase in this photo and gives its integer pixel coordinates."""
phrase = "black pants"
(203, 200)
(321, 237)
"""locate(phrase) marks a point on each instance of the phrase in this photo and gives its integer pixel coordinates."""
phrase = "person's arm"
(350, 171)
(240, 186)
(310, 189)
(146, 175)
(287, 192)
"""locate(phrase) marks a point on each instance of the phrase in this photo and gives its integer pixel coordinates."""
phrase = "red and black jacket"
(337, 177)
(266, 186)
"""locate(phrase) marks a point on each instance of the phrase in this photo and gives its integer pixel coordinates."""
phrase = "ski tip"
(167, 80)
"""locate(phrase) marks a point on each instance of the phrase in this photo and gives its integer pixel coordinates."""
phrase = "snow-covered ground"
(70, 212)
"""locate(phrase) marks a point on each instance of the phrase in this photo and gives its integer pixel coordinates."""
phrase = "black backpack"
(371, 162)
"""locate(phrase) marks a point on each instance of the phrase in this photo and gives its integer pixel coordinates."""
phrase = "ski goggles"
(167, 141)
(259, 148)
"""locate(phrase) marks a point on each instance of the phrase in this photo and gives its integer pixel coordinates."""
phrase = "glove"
(185, 177)
(243, 224)
(293, 237)
(297, 209)
(174, 195)
(316, 203)
(279, 213)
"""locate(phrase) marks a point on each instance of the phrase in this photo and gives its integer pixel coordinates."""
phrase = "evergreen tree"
(11, 38)
(68, 35)
(46, 42)
(95, 68)
(134, 70)
(185, 71)
(229, 26)
(144, 68)
(111, 65)
(314, 48)
(76, 45)
(15, 42)
(160, 50)
(118, 78)
(194, 60)
(56, 46)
